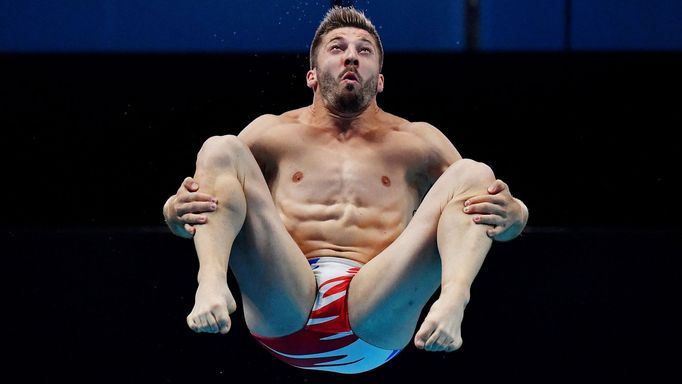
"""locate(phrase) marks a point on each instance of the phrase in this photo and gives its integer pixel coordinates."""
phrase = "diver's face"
(347, 70)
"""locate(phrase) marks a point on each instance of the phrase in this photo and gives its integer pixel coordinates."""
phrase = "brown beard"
(354, 98)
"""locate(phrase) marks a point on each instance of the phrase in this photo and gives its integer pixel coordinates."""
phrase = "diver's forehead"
(349, 33)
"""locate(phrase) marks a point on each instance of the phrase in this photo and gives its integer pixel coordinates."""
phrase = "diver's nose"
(351, 58)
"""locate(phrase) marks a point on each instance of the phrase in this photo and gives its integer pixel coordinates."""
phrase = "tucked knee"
(220, 152)
(471, 174)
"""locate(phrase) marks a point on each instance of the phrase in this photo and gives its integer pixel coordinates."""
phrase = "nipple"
(297, 176)
(385, 181)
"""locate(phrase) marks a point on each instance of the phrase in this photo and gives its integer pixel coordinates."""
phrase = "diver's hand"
(499, 209)
(183, 210)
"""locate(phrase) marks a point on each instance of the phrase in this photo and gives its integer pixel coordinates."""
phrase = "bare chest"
(361, 177)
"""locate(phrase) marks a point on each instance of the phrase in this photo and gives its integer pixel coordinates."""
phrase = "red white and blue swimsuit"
(327, 342)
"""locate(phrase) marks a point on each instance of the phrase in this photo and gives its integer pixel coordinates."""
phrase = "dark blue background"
(213, 26)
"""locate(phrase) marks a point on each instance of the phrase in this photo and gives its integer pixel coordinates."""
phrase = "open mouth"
(350, 76)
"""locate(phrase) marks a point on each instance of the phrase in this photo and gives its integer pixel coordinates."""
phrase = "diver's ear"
(380, 83)
(311, 79)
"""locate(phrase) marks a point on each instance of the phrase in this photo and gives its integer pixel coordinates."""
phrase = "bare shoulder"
(441, 150)
(425, 131)
(266, 127)
(419, 129)
(293, 116)
(258, 128)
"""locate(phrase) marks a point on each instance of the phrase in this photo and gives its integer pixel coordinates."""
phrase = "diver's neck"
(321, 115)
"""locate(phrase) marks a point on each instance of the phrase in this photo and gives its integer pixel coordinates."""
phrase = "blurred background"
(575, 104)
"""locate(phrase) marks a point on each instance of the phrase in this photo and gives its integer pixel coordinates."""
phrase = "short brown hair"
(339, 17)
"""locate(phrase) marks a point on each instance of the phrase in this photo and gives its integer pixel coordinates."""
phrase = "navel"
(385, 181)
(298, 176)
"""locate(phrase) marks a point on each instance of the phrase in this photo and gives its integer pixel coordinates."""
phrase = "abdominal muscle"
(343, 230)
(334, 219)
